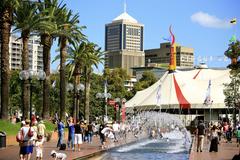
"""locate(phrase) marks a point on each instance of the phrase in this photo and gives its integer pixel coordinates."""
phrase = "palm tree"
(26, 21)
(7, 7)
(233, 52)
(50, 9)
(93, 57)
(75, 60)
(69, 31)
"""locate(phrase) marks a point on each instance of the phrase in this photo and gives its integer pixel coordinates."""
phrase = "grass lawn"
(12, 129)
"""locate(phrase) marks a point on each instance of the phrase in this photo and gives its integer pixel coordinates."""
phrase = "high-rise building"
(184, 55)
(124, 43)
(35, 53)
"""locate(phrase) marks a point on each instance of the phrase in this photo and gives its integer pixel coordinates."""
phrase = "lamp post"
(29, 75)
(105, 96)
(76, 92)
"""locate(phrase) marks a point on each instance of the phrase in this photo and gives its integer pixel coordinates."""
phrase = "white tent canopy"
(183, 89)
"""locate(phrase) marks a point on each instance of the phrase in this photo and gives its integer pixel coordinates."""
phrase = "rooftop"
(125, 16)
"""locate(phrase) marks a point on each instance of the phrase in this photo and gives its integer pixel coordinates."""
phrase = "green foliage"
(148, 79)
(233, 50)
(232, 90)
(11, 129)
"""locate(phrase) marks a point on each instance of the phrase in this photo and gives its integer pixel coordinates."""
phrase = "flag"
(54, 84)
(233, 21)
(158, 96)
(169, 39)
(208, 100)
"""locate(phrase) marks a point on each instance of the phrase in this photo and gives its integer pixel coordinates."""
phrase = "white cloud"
(211, 21)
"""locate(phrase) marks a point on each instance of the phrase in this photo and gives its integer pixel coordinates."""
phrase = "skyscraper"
(124, 43)
(35, 53)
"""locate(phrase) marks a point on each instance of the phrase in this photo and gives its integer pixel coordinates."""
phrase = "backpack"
(63, 146)
(19, 136)
(30, 132)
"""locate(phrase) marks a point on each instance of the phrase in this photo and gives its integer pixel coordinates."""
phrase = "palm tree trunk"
(63, 53)
(6, 20)
(25, 66)
(75, 100)
(46, 41)
(87, 93)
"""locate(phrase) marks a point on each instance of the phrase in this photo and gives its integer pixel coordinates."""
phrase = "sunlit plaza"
(119, 80)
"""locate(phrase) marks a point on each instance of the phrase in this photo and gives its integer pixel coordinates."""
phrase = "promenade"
(87, 150)
(226, 150)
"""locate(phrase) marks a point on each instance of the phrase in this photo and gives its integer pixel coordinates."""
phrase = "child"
(39, 147)
(58, 156)
(238, 136)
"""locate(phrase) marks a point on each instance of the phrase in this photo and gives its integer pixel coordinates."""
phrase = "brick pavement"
(226, 151)
(11, 152)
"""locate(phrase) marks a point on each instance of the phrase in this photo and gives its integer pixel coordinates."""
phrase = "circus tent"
(183, 89)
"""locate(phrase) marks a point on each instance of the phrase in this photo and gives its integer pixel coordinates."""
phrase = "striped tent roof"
(183, 89)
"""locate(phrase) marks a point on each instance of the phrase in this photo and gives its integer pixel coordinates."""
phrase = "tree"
(93, 57)
(116, 79)
(148, 79)
(231, 91)
(68, 31)
(26, 21)
(50, 9)
(233, 52)
(75, 59)
(7, 7)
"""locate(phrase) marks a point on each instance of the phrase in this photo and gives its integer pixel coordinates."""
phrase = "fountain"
(157, 136)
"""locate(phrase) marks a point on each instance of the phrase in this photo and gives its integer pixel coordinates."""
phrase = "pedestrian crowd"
(30, 135)
(221, 132)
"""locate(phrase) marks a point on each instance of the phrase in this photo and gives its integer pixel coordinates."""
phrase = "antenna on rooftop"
(125, 6)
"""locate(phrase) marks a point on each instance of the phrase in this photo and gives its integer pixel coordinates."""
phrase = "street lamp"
(121, 106)
(76, 92)
(25, 75)
(105, 96)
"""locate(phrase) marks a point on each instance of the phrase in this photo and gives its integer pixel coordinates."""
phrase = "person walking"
(41, 128)
(77, 135)
(39, 147)
(90, 132)
(102, 137)
(214, 139)
(238, 136)
(200, 136)
(71, 132)
(60, 127)
(26, 145)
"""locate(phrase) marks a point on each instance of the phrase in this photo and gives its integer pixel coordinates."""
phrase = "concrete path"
(12, 152)
(226, 151)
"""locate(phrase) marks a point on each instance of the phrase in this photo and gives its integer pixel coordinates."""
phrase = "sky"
(200, 24)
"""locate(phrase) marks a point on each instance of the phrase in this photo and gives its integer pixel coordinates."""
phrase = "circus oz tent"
(195, 89)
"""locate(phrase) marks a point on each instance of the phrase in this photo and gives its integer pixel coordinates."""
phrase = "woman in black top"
(102, 136)
(77, 135)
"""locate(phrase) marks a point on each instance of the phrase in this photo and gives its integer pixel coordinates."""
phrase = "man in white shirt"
(116, 129)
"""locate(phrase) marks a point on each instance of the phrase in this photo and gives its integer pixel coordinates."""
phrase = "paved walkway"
(226, 151)
(11, 152)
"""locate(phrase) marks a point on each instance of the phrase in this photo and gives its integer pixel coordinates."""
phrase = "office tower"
(124, 43)
(184, 55)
